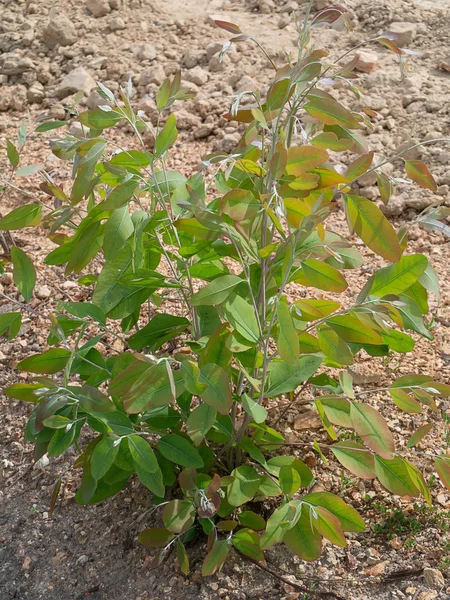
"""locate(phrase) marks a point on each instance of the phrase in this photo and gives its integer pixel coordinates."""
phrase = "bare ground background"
(49, 51)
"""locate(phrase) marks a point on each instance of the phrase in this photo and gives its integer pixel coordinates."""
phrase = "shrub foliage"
(184, 404)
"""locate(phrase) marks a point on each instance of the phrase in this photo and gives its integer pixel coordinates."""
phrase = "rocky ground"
(49, 51)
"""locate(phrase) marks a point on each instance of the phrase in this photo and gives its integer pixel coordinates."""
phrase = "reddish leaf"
(419, 172)
(231, 27)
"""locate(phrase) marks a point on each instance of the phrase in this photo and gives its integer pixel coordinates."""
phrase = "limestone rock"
(197, 75)
(14, 64)
(117, 24)
(434, 578)
(59, 30)
(147, 52)
(98, 8)
(406, 32)
(36, 94)
(78, 79)
(367, 61)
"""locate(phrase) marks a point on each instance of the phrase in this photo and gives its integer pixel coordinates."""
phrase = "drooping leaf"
(103, 456)
(216, 292)
(302, 539)
(200, 421)
(329, 526)
(347, 515)
(48, 362)
(304, 158)
(419, 434)
(373, 228)
(442, 464)
(216, 558)
(155, 537)
(394, 475)
(182, 558)
(167, 136)
(420, 174)
(217, 392)
(286, 377)
(289, 480)
(180, 451)
(323, 276)
(405, 401)
(24, 216)
(330, 112)
(178, 515)
(373, 429)
(278, 523)
(257, 412)
(244, 486)
(356, 458)
(248, 518)
(248, 542)
(13, 155)
(287, 342)
(398, 277)
(142, 454)
(333, 346)
(10, 322)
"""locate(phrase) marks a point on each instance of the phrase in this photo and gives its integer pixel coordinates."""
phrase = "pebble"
(42, 292)
(434, 578)
(78, 79)
(59, 31)
(98, 8)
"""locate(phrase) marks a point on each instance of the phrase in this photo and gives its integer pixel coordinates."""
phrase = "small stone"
(14, 64)
(78, 79)
(36, 94)
(5, 99)
(229, 142)
(444, 65)
(59, 30)
(434, 578)
(26, 563)
(309, 419)
(406, 33)
(192, 58)
(83, 559)
(213, 48)
(427, 595)
(377, 569)
(98, 8)
(42, 292)
(203, 131)
(266, 6)
(367, 61)
(147, 52)
(197, 75)
(117, 24)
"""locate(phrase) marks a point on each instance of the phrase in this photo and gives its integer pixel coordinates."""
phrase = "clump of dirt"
(50, 51)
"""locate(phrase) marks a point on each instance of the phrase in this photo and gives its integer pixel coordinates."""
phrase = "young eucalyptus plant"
(184, 406)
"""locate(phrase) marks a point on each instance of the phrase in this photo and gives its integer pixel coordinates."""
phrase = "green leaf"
(167, 136)
(49, 125)
(373, 429)
(143, 456)
(217, 349)
(28, 170)
(322, 276)
(330, 112)
(217, 392)
(394, 476)
(216, 558)
(404, 401)
(10, 322)
(200, 421)
(61, 441)
(285, 377)
(84, 309)
(152, 481)
(103, 456)
(118, 229)
(151, 389)
(180, 451)
(420, 174)
(56, 422)
(178, 516)
(302, 539)
(385, 187)
(287, 342)
(13, 155)
(359, 166)
(289, 480)
(23, 391)
(419, 434)
(351, 329)
(182, 558)
(356, 458)
(333, 346)
(156, 537)
(348, 516)
(398, 277)
(337, 410)
(48, 362)
(257, 412)
(278, 523)
(304, 158)
(120, 195)
(244, 487)
(329, 526)
(442, 464)
(248, 542)
(160, 329)
(24, 216)
(216, 292)
(241, 316)
(373, 228)
(99, 119)
(248, 518)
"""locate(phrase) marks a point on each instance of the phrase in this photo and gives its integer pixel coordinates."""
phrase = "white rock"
(266, 6)
(36, 94)
(147, 52)
(367, 61)
(42, 292)
(406, 32)
(213, 48)
(192, 58)
(59, 30)
(14, 64)
(98, 8)
(434, 578)
(117, 24)
(78, 79)
(197, 75)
